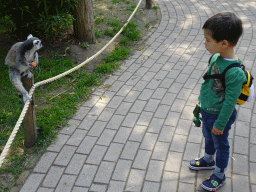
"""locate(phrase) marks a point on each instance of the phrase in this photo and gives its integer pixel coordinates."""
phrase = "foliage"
(26, 13)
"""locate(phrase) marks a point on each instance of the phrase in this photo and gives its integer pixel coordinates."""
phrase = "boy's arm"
(234, 80)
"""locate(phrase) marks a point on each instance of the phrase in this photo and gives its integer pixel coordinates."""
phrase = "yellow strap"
(249, 78)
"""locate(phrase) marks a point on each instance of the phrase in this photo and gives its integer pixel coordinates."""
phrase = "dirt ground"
(147, 20)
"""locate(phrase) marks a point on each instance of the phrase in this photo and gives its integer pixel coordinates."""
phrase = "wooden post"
(29, 122)
(149, 4)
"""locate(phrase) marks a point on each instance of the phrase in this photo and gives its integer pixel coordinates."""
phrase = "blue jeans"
(217, 142)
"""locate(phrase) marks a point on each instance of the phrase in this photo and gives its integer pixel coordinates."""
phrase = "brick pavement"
(137, 134)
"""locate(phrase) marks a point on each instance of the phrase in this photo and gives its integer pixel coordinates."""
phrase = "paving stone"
(122, 135)
(81, 113)
(133, 81)
(66, 183)
(113, 152)
(173, 162)
(149, 141)
(53, 176)
(140, 86)
(244, 115)
(152, 105)
(122, 170)
(132, 96)
(183, 187)
(45, 162)
(241, 145)
(175, 88)
(240, 164)
(98, 187)
(252, 153)
(123, 109)
(43, 189)
(104, 172)
(145, 118)
(155, 170)
(130, 120)
(253, 173)
(183, 127)
(116, 186)
(146, 94)
(138, 106)
(130, 150)
(191, 151)
(116, 86)
(195, 135)
(162, 111)
(178, 143)
(168, 99)
(240, 183)
(80, 189)
(187, 113)
(87, 145)
(160, 151)
(138, 133)
(187, 175)
(77, 137)
(135, 180)
(33, 182)
(155, 125)
(161, 75)
(86, 176)
(106, 114)
(97, 128)
(76, 164)
(57, 145)
(166, 134)
(115, 102)
(87, 122)
(253, 136)
(106, 137)
(96, 155)
(169, 181)
(172, 119)
(142, 159)
(159, 93)
(150, 186)
(148, 76)
(115, 122)
(97, 109)
(124, 90)
(65, 155)
(178, 105)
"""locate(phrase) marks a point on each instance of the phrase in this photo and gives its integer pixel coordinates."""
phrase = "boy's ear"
(225, 44)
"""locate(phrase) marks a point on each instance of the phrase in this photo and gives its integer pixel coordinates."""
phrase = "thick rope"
(16, 128)
(31, 92)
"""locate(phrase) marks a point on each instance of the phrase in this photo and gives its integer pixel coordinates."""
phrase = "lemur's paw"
(27, 74)
(33, 66)
(26, 97)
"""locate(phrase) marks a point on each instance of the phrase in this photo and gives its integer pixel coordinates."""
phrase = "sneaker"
(200, 164)
(213, 183)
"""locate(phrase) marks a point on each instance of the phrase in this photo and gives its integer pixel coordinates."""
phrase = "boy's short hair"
(225, 26)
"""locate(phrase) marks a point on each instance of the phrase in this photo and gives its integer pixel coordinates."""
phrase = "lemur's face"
(37, 44)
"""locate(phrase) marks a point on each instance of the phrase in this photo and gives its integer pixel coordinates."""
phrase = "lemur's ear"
(29, 36)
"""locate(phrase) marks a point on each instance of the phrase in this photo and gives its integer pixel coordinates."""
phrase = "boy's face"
(211, 44)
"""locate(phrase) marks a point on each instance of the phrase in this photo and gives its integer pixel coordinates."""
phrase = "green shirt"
(213, 98)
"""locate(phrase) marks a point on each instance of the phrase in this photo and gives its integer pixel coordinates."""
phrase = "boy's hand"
(216, 131)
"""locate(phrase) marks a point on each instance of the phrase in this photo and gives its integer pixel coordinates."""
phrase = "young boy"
(222, 32)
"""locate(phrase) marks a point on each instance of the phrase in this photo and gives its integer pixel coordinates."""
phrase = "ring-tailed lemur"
(19, 60)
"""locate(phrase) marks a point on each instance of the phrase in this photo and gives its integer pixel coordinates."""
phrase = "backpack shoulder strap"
(225, 71)
(221, 76)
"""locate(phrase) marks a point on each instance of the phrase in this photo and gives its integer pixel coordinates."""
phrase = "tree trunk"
(149, 4)
(84, 21)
